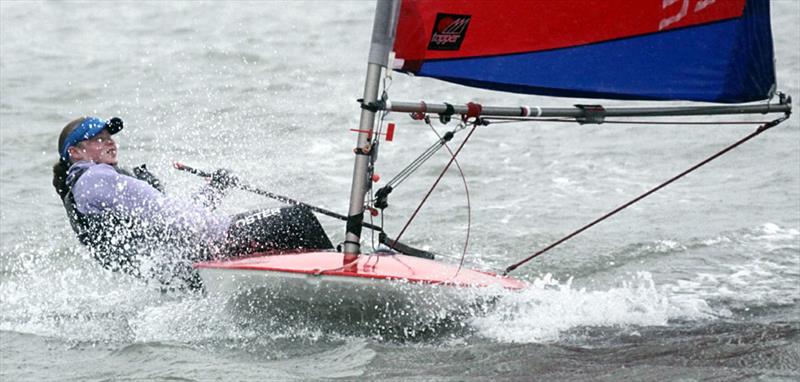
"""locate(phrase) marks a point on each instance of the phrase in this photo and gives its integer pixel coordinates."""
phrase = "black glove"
(142, 173)
(223, 179)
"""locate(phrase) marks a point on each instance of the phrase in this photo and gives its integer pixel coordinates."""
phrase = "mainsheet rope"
(766, 126)
(469, 204)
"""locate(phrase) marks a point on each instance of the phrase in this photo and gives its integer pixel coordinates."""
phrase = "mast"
(383, 32)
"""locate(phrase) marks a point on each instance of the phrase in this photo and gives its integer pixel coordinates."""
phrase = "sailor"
(131, 225)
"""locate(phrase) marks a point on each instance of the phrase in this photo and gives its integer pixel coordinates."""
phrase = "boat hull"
(382, 281)
(371, 268)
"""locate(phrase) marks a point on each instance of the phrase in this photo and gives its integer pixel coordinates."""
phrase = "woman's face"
(100, 149)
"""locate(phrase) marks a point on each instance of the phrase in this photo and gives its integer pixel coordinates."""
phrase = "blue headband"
(89, 129)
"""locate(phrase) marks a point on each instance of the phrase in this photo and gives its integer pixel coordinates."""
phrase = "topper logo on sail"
(448, 31)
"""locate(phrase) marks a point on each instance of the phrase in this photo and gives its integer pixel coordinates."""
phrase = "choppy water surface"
(700, 281)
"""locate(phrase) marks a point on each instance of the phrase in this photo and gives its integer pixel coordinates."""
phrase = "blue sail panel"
(726, 61)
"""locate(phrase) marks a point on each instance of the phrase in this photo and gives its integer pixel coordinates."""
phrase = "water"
(700, 281)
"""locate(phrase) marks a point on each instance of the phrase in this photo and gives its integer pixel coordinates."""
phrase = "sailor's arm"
(211, 194)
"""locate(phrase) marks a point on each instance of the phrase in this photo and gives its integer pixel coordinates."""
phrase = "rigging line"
(373, 157)
(411, 167)
(422, 158)
(371, 221)
(506, 120)
(427, 154)
(758, 131)
(415, 164)
(379, 123)
(421, 203)
(503, 120)
(469, 205)
(685, 122)
(387, 82)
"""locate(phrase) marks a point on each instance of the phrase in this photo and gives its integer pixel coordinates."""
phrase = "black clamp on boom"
(591, 114)
(445, 117)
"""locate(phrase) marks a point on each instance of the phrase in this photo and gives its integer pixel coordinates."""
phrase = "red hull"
(375, 266)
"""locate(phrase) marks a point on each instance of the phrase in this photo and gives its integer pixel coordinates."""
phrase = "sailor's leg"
(292, 227)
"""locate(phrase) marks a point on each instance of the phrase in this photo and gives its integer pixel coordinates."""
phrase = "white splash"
(548, 308)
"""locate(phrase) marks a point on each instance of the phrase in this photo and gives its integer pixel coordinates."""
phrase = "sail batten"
(713, 51)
